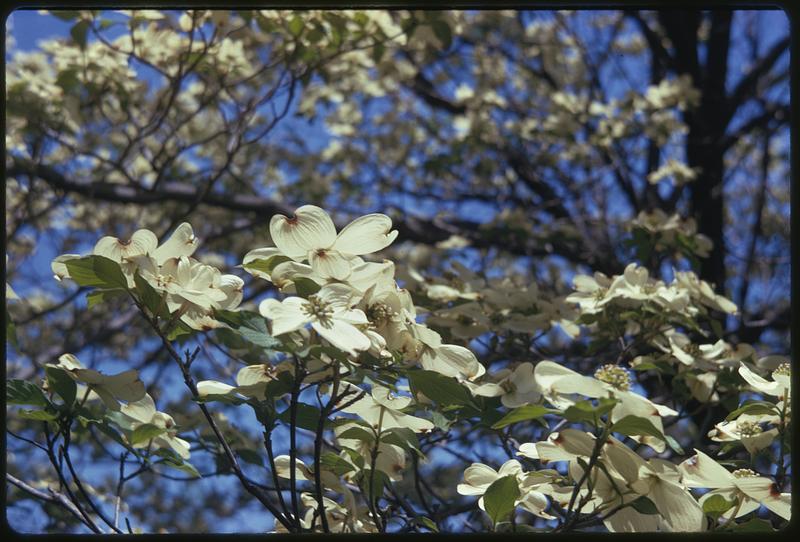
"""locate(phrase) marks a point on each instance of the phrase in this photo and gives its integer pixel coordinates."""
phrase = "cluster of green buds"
(615, 376)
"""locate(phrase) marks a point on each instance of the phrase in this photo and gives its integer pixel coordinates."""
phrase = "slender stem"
(298, 380)
(318, 441)
(189, 381)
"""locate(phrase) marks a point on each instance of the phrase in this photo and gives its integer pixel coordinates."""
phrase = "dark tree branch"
(747, 85)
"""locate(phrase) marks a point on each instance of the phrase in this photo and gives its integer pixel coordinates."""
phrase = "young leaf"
(674, 445)
(20, 392)
(96, 271)
(500, 498)
(99, 296)
(636, 425)
(60, 382)
(149, 297)
(332, 462)
(716, 505)
(145, 432)
(643, 505)
(251, 326)
(307, 416)
(296, 26)
(444, 390)
(79, 32)
(173, 460)
(757, 408)
(305, 287)
(523, 413)
(357, 433)
(38, 415)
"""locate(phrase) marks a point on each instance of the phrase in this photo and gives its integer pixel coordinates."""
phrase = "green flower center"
(379, 314)
(318, 309)
(784, 369)
(600, 293)
(614, 376)
(744, 473)
(749, 429)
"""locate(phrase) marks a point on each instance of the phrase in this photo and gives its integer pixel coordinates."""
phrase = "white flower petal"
(212, 387)
(286, 316)
(142, 410)
(60, 271)
(342, 335)
(702, 471)
(677, 507)
(311, 228)
(766, 492)
(182, 242)
(365, 235)
(329, 264)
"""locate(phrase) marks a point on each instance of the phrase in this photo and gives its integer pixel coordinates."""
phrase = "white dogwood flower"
(781, 385)
(125, 386)
(745, 485)
(143, 412)
(310, 234)
(328, 311)
(382, 409)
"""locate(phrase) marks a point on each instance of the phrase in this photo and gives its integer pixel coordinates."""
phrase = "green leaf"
(716, 505)
(305, 287)
(96, 271)
(21, 392)
(500, 498)
(373, 482)
(179, 330)
(266, 265)
(427, 522)
(523, 413)
(332, 462)
(221, 398)
(281, 385)
(80, 32)
(757, 408)
(444, 390)
(307, 416)
(674, 445)
(173, 460)
(296, 26)
(99, 296)
(60, 382)
(586, 411)
(150, 298)
(378, 51)
(403, 437)
(357, 433)
(636, 425)
(264, 411)
(251, 326)
(755, 525)
(317, 34)
(65, 15)
(39, 415)
(643, 505)
(112, 433)
(440, 421)
(145, 432)
(442, 32)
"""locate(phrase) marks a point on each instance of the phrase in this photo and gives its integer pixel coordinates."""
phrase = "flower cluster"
(354, 305)
(190, 290)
